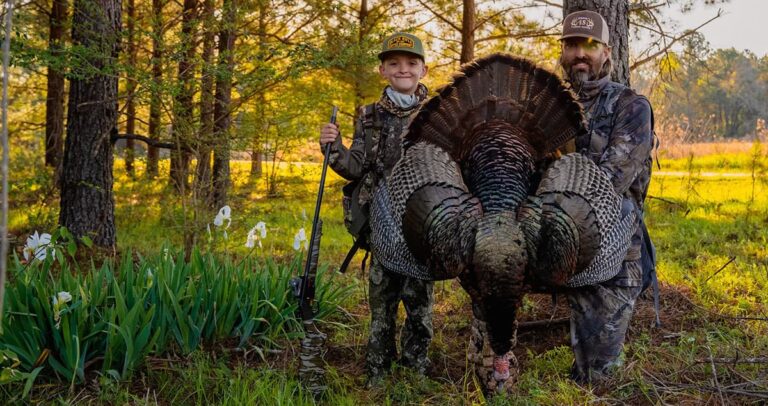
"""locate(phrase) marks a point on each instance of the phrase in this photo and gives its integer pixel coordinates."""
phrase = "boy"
(402, 65)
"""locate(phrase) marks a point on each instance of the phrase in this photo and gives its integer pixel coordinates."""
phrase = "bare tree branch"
(150, 141)
(721, 268)
(639, 7)
(666, 48)
(759, 394)
(496, 14)
(531, 325)
(714, 376)
(436, 14)
(549, 3)
(665, 201)
(653, 30)
(661, 29)
(737, 360)
(544, 32)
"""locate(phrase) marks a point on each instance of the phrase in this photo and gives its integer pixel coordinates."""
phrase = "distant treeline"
(704, 94)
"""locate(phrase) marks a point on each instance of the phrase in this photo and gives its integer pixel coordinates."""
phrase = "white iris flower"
(253, 237)
(59, 301)
(262, 228)
(36, 246)
(63, 297)
(225, 214)
(301, 236)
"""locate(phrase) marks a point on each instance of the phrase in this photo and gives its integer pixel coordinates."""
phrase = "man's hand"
(328, 133)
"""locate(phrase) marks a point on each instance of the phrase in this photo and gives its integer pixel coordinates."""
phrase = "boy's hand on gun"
(328, 133)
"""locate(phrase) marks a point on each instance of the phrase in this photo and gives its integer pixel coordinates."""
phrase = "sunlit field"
(676, 150)
(707, 211)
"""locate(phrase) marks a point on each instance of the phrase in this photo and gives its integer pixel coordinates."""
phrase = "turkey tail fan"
(578, 200)
(422, 218)
(386, 240)
(439, 226)
(503, 88)
(559, 252)
(529, 216)
(421, 165)
(556, 116)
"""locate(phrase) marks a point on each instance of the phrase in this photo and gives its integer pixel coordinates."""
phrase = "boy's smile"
(403, 71)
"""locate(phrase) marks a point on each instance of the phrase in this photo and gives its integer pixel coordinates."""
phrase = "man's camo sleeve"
(630, 144)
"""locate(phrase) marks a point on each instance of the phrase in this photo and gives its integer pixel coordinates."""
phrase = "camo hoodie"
(619, 140)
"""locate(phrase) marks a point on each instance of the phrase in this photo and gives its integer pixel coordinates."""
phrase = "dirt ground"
(540, 330)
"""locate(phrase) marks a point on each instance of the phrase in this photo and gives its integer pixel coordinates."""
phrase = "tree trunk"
(87, 204)
(222, 113)
(54, 103)
(468, 32)
(130, 123)
(157, 78)
(616, 13)
(203, 184)
(182, 125)
(360, 76)
(256, 149)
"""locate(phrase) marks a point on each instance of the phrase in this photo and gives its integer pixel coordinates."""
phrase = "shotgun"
(311, 367)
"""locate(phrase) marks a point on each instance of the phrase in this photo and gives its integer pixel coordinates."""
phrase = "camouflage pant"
(386, 290)
(600, 316)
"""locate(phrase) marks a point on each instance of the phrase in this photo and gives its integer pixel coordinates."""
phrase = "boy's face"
(403, 71)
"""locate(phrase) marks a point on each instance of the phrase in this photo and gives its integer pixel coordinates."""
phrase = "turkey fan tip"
(422, 117)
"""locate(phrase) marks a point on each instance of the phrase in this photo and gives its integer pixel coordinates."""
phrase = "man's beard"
(579, 77)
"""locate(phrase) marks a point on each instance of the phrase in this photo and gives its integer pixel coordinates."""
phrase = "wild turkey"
(466, 199)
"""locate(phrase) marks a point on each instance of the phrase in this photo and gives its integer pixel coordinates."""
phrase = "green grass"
(699, 223)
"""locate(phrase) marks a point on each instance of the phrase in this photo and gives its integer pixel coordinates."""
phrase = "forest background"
(219, 103)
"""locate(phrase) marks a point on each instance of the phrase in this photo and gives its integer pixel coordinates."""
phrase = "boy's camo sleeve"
(629, 145)
(348, 162)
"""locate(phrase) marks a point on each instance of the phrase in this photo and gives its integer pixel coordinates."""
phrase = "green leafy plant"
(111, 318)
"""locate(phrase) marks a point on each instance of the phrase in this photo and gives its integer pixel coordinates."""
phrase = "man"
(619, 140)
(402, 66)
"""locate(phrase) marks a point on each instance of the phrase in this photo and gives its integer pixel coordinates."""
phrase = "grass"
(675, 150)
(713, 157)
(713, 267)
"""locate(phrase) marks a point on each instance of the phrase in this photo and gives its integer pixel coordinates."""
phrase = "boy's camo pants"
(600, 316)
(386, 290)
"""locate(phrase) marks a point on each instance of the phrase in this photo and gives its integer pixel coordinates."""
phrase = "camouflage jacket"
(619, 140)
(352, 164)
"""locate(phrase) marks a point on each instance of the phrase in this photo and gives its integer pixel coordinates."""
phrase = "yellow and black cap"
(402, 42)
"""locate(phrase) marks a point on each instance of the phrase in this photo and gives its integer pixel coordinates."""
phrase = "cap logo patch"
(584, 23)
(400, 41)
